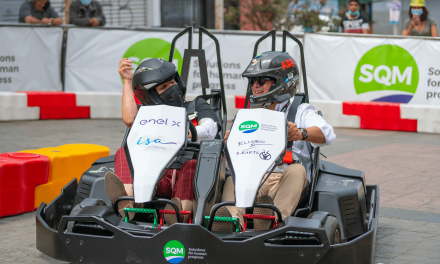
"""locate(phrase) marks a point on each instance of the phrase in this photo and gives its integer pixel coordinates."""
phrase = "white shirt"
(207, 129)
(306, 116)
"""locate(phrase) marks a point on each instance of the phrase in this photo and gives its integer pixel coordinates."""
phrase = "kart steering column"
(193, 130)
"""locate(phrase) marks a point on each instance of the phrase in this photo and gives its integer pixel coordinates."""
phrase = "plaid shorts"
(184, 178)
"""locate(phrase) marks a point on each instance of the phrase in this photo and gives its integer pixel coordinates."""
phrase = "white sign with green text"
(348, 68)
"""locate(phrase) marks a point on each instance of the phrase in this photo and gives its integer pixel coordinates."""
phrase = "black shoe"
(219, 226)
(114, 188)
(260, 224)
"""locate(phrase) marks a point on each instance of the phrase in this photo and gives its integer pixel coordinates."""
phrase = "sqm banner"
(373, 69)
(30, 58)
(93, 54)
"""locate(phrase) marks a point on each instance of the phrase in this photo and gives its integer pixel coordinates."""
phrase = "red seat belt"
(194, 121)
(288, 158)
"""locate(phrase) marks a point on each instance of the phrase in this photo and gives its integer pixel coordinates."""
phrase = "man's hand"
(293, 132)
(94, 22)
(46, 20)
(125, 69)
(226, 135)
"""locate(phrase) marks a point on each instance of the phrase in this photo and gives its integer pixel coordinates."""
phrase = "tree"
(276, 14)
(256, 14)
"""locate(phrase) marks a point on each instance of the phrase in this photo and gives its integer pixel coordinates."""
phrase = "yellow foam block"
(66, 162)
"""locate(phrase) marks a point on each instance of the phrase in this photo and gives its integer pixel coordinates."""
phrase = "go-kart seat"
(216, 105)
(303, 198)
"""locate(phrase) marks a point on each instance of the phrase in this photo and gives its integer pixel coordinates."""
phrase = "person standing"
(86, 13)
(419, 24)
(38, 12)
(354, 21)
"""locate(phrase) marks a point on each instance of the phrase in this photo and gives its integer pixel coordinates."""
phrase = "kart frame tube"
(202, 31)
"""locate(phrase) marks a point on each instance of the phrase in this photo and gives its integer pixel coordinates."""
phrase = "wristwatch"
(304, 133)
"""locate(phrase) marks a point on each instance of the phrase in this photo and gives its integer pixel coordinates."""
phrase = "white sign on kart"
(157, 134)
(256, 140)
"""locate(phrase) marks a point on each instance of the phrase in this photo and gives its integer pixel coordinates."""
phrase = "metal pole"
(67, 4)
(153, 13)
(219, 24)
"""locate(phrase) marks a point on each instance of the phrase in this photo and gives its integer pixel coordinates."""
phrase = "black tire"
(333, 230)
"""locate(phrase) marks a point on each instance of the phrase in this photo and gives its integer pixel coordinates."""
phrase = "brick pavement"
(403, 164)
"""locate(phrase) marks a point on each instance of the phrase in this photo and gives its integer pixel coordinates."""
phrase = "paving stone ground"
(405, 165)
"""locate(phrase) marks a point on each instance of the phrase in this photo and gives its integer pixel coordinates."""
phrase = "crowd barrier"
(83, 59)
(351, 114)
(30, 177)
(341, 69)
(373, 68)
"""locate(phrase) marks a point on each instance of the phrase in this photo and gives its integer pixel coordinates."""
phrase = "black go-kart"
(335, 223)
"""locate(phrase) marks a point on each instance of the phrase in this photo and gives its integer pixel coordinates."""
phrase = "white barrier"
(373, 68)
(102, 104)
(13, 106)
(92, 57)
(332, 113)
(428, 117)
(30, 58)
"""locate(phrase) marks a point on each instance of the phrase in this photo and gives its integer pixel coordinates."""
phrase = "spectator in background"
(86, 13)
(354, 22)
(418, 23)
(38, 12)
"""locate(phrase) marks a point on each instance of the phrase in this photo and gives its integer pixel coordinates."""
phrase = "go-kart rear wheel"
(333, 230)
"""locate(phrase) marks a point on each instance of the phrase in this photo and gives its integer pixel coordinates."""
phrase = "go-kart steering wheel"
(193, 130)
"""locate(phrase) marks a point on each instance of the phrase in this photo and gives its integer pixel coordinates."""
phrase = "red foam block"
(239, 101)
(70, 112)
(51, 99)
(57, 105)
(372, 109)
(379, 115)
(19, 174)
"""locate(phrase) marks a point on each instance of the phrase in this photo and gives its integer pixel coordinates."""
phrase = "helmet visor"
(260, 80)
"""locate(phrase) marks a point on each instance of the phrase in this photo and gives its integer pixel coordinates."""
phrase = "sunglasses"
(259, 80)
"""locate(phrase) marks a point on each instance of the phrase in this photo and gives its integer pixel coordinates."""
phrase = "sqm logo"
(248, 127)
(390, 76)
(174, 251)
(390, 72)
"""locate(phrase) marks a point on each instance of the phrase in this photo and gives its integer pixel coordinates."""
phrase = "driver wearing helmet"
(157, 82)
(274, 79)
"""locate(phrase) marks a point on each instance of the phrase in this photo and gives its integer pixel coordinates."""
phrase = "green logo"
(174, 251)
(248, 127)
(387, 68)
(152, 48)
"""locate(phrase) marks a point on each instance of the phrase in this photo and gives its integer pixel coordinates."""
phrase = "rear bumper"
(200, 245)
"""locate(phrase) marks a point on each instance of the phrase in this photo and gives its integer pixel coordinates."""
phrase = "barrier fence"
(341, 68)
(87, 58)
(373, 68)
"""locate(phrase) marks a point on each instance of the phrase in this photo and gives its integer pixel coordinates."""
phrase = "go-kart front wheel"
(333, 230)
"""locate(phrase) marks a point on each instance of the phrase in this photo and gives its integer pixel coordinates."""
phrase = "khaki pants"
(285, 188)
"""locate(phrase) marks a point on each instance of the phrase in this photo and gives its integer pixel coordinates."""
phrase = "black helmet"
(151, 73)
(279, 67)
